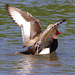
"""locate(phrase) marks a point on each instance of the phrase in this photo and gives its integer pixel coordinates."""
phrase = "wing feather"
(26, 21)
(46, 37)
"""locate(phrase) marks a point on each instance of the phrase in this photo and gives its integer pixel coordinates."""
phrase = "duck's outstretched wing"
(46, 37)
(30, 26)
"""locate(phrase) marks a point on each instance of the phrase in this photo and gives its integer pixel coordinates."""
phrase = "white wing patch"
(26, 33)
(25, 26)
(17, 17)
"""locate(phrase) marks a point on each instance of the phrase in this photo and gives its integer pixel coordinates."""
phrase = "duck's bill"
(59, 32)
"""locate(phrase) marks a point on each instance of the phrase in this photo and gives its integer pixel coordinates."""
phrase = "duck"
(37, 41)
(47, 43)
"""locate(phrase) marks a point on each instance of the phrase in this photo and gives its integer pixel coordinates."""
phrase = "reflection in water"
(26, 65)
(35, 64)
(53, 57)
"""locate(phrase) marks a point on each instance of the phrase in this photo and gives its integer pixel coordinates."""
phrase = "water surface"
(61, 62)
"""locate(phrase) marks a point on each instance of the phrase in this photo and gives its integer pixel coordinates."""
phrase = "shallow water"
(62, 62)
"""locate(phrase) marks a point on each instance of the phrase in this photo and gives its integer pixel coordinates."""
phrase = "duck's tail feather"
(31, 50)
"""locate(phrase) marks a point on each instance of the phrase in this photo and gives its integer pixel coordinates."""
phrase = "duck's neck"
(55, 36)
